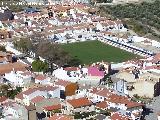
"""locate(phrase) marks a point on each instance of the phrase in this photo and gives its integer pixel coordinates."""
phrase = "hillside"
(143, 18)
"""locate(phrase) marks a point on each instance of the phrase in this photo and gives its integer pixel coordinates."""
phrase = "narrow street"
(153, 108)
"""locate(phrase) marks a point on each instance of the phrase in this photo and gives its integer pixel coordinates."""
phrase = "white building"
(14, 111)
(46, 92)
(41, 79)
(18, 78)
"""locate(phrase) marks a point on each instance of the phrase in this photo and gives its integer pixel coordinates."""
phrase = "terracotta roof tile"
(80, 102)
(117, 99)
(102, 92)
(2, 99)
(62, 83)
(17, 66)
(71, 68)
(19, 96)
(131, 104)
(53, 107)
(37, 99)
(40, 77)
(118, 116)
(60, 117)
(123, 100)
(31, 90)
(102, 105)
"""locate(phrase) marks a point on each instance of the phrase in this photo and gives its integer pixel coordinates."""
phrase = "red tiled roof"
(80, 6)
(80, 102)
(117, 99)
(62, 83)
(102, 105)
(123, 100)
(103, 92)
(71, 68)
(118, 116)
(156, 58)
(53, 107)
(27, 92)
(19, 96)
(131, 104)
(152, 67)
(60, 117)
(37, 99)
(2, 99)
(17, 66)
(40, 77)
(31, 90)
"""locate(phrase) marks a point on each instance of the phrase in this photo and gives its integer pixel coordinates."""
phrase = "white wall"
(17, 79)
(43, 82)
(55, 93)
(27, 98)
(121, 86)
(11, 48)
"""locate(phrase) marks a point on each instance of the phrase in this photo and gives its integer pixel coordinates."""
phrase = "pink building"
(95, 73)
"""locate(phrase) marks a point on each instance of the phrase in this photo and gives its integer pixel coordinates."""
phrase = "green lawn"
(94, 51)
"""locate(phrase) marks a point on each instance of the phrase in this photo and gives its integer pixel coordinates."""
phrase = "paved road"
(154, 109)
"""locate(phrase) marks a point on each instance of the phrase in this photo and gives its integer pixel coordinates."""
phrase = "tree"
(14, 8)
(39, 66)
(53, 54)
(2, 48)
(74, 62)
(38, 37)
(4, 89)
(12, 93)
(24, 45)
(106, 80)
(141, 16)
